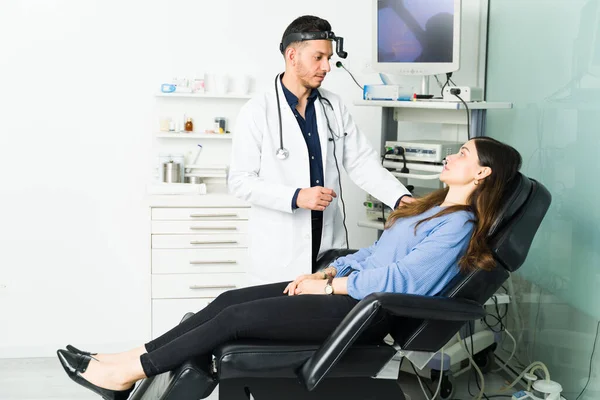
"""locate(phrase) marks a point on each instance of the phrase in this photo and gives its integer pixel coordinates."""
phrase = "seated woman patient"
(425, 244)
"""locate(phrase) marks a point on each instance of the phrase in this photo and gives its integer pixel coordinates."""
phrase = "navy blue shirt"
(309, 129)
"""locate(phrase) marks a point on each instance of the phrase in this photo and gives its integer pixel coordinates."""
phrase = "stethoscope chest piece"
(282, 153)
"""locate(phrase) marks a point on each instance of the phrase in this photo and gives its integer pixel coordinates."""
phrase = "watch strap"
(329, 283)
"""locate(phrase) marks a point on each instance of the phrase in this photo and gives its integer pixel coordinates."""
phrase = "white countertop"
(216, 196)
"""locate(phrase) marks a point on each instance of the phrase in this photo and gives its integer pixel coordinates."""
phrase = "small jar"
(189, 125)
(220, 125)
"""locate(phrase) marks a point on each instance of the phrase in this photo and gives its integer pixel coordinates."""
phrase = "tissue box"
(387, 92)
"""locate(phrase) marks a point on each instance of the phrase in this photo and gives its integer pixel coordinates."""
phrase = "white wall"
(77, 115)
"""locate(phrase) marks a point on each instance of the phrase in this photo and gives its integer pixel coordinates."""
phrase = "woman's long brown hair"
(484, 202)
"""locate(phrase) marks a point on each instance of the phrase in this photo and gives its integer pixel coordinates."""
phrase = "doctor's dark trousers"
(258, 312)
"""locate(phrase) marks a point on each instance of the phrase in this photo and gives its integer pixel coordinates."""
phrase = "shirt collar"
(291, 97)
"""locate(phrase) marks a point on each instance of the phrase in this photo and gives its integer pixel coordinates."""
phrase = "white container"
(221, 84)
(242, 84)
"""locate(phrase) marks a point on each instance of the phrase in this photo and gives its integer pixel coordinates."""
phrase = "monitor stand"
(425, 84)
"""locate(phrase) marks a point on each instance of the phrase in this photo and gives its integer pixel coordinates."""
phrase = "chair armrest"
(330, 256)
(361, 316)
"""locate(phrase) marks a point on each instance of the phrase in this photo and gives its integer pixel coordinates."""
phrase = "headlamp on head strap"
(320, 35)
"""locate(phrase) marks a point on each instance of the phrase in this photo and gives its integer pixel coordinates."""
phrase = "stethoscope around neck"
(282, 153)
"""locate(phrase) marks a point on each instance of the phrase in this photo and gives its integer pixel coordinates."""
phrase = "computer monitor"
(416, 37)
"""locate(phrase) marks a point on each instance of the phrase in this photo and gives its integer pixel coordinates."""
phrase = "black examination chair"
(341, 369)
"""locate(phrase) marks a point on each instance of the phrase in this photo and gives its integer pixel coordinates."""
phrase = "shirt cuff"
(400, 199)
(295, 199)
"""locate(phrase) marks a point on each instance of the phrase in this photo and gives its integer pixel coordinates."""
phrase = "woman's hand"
(292, 286)
(311, 286)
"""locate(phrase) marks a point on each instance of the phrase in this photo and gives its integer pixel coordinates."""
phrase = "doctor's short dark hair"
(306, 23)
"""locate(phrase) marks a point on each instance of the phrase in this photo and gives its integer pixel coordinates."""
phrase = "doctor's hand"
(316, 198)
(406, 200)
(292, 286)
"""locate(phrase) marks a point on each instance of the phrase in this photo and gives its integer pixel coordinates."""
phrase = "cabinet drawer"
(179, 286)
(190, 261)
(200, 214)
(168, 313)
(182, 227)
(230, 240)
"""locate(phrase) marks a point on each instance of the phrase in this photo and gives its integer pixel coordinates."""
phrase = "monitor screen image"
(415, 31)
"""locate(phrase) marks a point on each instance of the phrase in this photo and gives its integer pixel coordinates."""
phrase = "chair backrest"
(510, 238)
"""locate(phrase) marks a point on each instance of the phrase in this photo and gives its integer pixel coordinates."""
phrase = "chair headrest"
(523, 209)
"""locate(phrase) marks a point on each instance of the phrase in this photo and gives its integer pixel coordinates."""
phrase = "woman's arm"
(425, 270)
(342, 265)
(340, 285)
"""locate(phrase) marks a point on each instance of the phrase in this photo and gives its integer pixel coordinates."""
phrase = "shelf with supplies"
(423, 157)
(436, 104)
(207, 95)
(191, 135)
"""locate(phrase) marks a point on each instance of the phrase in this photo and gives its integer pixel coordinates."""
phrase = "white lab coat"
(280, 238)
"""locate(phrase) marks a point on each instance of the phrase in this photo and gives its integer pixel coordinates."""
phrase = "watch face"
(328, 289)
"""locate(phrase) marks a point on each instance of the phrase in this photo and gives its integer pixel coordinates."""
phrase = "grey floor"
(43, 378)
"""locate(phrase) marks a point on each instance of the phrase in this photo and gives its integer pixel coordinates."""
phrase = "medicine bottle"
(189, 125)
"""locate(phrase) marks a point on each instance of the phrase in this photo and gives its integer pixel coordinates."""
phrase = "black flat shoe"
(76, 364)
(75, 350)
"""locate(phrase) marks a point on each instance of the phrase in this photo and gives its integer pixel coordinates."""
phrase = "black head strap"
(320, 35)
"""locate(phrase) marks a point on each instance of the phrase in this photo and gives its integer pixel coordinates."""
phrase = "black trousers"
(258, 312)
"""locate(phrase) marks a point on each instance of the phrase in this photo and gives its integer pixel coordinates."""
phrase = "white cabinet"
(199, 248)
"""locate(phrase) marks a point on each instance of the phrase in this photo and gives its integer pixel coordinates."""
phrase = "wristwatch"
(329, 286)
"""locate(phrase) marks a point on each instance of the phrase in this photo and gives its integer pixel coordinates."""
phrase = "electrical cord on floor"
(422, 386)
(439, 386)
(481, 392)
(512, 354)
(456, 92)
(529, 369)
(473, 364)
(591, 363)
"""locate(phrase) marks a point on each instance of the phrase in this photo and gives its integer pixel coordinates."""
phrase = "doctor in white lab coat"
(273, 171)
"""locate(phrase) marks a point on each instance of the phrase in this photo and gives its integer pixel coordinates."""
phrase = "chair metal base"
(292, 389)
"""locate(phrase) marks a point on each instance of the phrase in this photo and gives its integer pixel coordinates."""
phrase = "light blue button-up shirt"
(404, 262)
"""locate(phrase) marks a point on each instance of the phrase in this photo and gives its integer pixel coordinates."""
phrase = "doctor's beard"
(307, 78)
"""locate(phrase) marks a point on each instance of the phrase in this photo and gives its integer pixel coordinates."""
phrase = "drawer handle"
(213, 215)
(213, 228)
(213, 262)
(214, 242)
(197, 287)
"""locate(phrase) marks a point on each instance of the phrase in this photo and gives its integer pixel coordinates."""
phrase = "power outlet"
(368, 68)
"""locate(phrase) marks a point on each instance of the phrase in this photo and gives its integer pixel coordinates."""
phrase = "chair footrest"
(188, 382)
